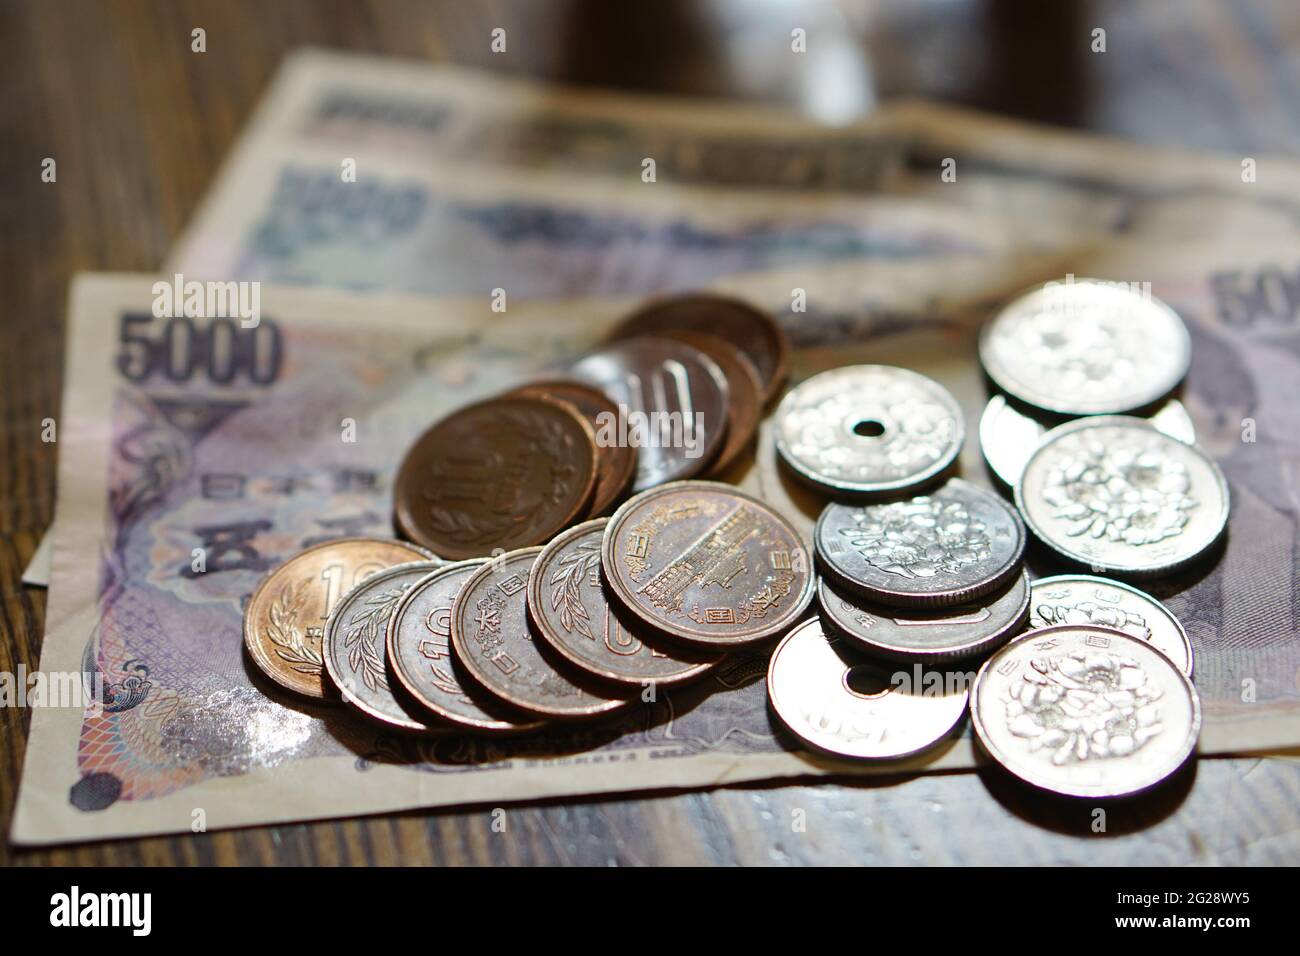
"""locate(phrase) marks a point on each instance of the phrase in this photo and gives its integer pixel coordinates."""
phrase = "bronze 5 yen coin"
(707, 564)
(501, 474)
(284, 622)
(492, 639)
(568, 607)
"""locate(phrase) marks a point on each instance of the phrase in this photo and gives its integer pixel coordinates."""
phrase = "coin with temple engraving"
(706, 563)
(753, 331)
(672, 401)
(847, 705)
(355, 645)
(1085, 711)
(951, 546)
(1008, 436)
(744, 388)
(868, 429)
(567, 605)
(492, 638)
(615, 463)
(421, 657)
(500, 474)
(1086, 347)
(1116, 494)
(284, 621)
(1083, 599)
(949, 633)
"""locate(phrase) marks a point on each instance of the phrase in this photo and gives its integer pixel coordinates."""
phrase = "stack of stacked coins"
(916, 566)
(1098, 700)
(563, 556)
(1084, 687)
(472, 625)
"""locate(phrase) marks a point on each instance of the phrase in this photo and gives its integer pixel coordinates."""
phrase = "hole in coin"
(867, 681)
(869, 428)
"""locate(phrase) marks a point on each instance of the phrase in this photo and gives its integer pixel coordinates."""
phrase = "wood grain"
(138, 125)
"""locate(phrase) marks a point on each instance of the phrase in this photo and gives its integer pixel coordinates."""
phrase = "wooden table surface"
(139, 124)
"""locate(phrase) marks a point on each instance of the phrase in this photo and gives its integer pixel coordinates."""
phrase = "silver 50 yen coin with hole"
(849, 706)
(868, 430)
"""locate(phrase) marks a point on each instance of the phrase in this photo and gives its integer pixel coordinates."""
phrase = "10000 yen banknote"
(1050, 182)
(182, 434)
(288, 214)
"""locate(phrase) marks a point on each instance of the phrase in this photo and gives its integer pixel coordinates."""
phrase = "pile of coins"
(471, 624)
(563, 554)
(1084, 687)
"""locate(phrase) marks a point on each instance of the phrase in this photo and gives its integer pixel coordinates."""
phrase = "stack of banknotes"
(396, 240)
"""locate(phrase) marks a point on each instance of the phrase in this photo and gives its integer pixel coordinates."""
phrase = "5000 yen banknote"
(244, 459)
(195, 455)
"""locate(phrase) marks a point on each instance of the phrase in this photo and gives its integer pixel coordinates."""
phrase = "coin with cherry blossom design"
(1116, 494)
(948, 547)
(1084, 599)
(1009, 436)
(1085, 711)
(1086, 347)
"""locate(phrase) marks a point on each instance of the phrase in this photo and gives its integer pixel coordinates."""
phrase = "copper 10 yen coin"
(421, 656)
(750, 329)
(355, 647)
(673, 399)
(745, 388)
(493, 640)
(284, 622)
(615, 463)
(569, 609)
(706, 563)
(501, 474)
